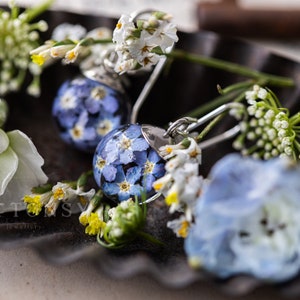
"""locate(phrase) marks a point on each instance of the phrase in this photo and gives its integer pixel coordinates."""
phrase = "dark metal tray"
(184, 86)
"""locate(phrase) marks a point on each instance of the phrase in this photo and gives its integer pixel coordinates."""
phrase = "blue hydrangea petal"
(159, 170)
(227, 240)
(110, 104)
(133, 174)
(141, 158)
(109, 172)
(112, 150)
(111, 188)
(133, 131)
(136, 190)
(140, 144)
(92, 105)
(153, 156)
(120, 176)
(148, 180)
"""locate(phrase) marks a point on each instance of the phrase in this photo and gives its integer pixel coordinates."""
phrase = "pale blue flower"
(152, 165)
(124, 186)
(125, 143)
(101, 97)
(101, 167)
(247, 220)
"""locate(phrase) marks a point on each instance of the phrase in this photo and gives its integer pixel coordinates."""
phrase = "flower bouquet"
(152, 150)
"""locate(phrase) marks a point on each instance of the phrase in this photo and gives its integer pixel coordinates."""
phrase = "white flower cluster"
(118, 217)
(181, 185)
(269, 130)
(140, 43)
(18, 38)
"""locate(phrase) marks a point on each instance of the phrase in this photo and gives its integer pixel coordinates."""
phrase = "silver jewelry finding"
(158, 137)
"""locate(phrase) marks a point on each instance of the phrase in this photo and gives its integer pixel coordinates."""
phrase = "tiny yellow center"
(145, 49)
(172, 198)
(38, 59)
(76, 132)
(119, 25)
(100, 163)
(125, 143)
(124, 186)
(149, 166)
(183, 230)
(71, 55)
(104, 127)
(157, 186)
(169, 150)
(194, 153)
(58, 194)
(98, 93)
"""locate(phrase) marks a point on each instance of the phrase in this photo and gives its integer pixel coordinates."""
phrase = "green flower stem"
(217, 119)
(33, 12)
(227, 94)
(14, 12)
(210, 125)
(90, 41)
(267, 79)
(41, 189)
(83, 178)
(150, 238)
(295, 119)
(231, 67)
(97, 199)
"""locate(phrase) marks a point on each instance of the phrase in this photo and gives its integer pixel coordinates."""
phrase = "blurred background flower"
(19, 35)
(247, 220)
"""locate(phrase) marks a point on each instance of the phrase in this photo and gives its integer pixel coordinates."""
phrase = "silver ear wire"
(151, 199)
(221, 137)
(185, 125)
(152, 78)
(147, 88)
(182, 127)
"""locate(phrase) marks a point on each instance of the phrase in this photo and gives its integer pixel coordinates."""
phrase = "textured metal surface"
(181, 88)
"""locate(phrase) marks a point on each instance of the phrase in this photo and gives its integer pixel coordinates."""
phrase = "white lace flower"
(123, 27)
(143, 41)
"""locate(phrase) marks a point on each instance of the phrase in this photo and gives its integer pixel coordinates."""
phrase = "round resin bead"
(86, 110)
(125, 165)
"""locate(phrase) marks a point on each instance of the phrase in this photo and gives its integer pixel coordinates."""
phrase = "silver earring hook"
(152, 78)
(185, 125)
(147, 88)
(158, 137)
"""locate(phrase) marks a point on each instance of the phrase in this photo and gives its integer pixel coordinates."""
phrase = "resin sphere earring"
(85, 110)
(125, 165)
(127, 161)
